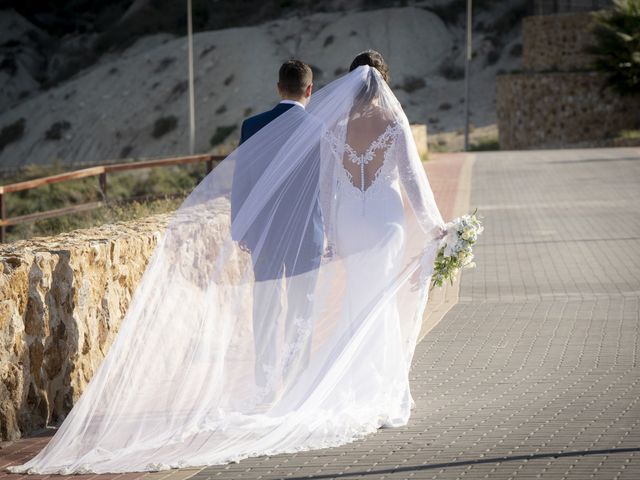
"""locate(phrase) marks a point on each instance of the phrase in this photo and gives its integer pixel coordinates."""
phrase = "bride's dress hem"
(366, 429)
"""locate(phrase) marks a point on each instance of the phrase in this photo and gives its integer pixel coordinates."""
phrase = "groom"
(277, 263)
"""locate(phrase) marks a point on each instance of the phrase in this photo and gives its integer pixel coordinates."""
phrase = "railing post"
(3, 217)
(209, 165)
(103, 185)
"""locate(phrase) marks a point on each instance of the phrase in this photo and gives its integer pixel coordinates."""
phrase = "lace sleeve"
(328, 159)
(416, 185)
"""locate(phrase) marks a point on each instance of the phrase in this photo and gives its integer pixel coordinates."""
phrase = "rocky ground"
(82, 96)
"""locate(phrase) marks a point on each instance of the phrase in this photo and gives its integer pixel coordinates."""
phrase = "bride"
(183, 383)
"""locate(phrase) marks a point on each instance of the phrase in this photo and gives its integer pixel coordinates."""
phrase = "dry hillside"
(83, 96)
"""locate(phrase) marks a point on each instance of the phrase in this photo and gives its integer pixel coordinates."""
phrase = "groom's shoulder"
(258, 118)
(252, 124)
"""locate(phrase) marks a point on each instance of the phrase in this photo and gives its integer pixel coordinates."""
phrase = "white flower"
(465, 257)
(460, 235)
(469, 233)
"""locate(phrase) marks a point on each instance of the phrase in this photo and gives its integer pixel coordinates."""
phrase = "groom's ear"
(307, 92)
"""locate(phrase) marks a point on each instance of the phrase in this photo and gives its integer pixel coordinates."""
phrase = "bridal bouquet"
(455, 251)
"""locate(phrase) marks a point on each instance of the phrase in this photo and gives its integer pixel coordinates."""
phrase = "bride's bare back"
(369, 135)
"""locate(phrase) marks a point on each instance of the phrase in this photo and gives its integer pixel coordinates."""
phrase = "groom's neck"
(302, 100)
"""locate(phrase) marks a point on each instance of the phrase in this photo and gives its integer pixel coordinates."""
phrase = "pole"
(103, 185)
(192, 115)
(467, 63)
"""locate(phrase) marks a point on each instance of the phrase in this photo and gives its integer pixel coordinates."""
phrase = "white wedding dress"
(180, 384)
(369, 217)
(366, 215)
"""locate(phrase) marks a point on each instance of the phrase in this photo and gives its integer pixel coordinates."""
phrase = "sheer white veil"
(305, 342)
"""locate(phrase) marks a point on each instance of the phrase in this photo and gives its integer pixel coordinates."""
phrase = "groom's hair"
(294, 77)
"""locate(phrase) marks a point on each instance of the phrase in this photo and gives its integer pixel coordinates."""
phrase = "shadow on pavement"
(464, 463)
(591, 160)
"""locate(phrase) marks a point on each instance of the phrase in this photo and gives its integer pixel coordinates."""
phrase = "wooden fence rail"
(101, 171)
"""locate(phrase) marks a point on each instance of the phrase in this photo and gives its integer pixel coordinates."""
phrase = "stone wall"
(62, 300)
(546, 110)
(557, 42)
(556, 101)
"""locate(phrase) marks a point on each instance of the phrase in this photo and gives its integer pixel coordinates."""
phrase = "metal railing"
(101, 172)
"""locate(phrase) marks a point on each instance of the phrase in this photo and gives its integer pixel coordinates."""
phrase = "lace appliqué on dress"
(302, 330)
(344, 179)
(383, 142)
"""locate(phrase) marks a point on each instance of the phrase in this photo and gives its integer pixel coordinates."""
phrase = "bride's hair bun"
(373, 59)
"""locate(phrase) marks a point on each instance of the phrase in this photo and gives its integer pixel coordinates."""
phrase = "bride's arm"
(416, 185)
(327, 189)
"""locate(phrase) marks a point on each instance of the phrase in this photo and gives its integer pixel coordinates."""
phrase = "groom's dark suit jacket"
(283, 238)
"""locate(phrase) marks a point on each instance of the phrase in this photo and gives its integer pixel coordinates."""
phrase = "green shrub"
(112, 213)
(411, 84)
(438, 146)
(56, 130)
(131, 194)
(629, 134)
(449, 70)
(617, 47)
(164, 125)
(164, 64)
(207, 50)
(178, 89)
(485, 144)
(221, 134)
(11, 133)
(126, 151)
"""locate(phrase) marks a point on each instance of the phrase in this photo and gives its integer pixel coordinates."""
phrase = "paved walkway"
(534, 373)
